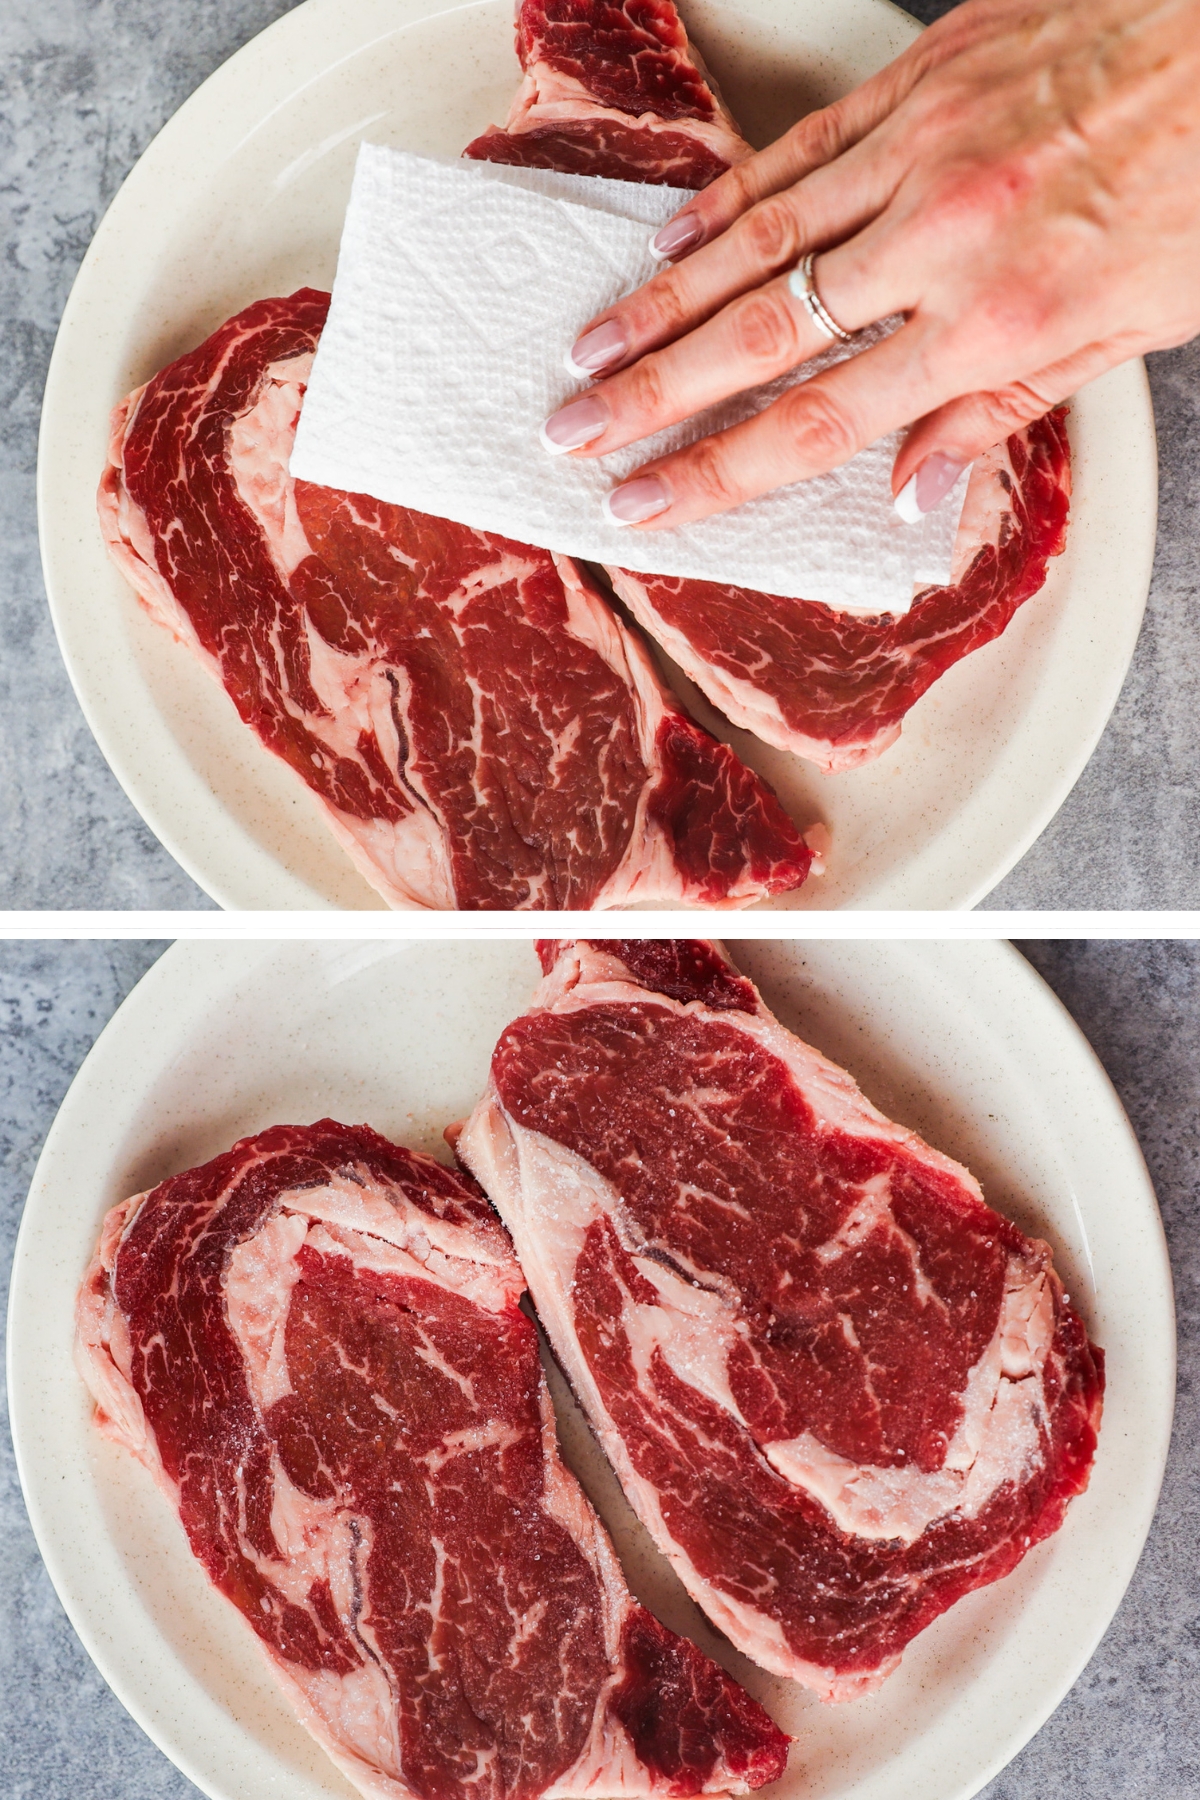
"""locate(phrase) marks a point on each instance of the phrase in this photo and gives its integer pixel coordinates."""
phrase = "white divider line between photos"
(245, 926)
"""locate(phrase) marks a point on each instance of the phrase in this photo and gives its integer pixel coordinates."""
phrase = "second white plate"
(961, 1041)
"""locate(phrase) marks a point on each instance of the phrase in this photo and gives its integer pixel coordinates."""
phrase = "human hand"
(1022, 185)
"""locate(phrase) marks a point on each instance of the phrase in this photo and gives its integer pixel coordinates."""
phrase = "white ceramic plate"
(242, 195)
(961, 1041)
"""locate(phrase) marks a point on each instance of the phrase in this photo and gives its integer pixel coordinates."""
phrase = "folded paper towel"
(460, 287)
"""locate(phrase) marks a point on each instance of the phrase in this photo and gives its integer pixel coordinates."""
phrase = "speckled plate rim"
(1052, 1103)
(987, 758)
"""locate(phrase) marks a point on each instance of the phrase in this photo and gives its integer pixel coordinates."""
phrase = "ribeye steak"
(839, 1390)
(476, 724)
(314, 1344)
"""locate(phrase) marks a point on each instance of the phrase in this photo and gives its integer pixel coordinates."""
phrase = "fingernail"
(637, 500)
(935, 477)
(597, 349)
(905, 502)
(575, 424)
(676, 235)
(928, 487)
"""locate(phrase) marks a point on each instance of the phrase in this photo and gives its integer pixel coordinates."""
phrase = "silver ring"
(802, 284)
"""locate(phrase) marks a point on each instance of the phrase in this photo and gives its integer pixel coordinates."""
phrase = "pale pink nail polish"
(575, 424)
(677, 234)
(638, 500)
(597, 350)
(928, 487)
(935, 477)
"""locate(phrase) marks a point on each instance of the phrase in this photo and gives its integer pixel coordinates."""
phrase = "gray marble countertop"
(1128, 1730)
(84, 86)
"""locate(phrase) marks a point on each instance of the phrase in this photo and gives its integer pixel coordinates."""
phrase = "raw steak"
(832, 687)
(478, 727)
(612, 87)
(314, 1344)
(838, 1389)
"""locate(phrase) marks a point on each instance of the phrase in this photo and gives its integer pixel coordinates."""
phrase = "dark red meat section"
(667, 1699)
(632, 56)
(355, 1341)
(604, 147)
(685, 969)
(722, 821)
(632, 59)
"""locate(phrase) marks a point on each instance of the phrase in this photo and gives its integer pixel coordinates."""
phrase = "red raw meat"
(840, 1391)
(834, 687)
(613, 89)
(478, 727)
(314, 1344)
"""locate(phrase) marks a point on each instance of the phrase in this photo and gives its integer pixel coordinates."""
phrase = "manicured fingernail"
(905, 502)
(928, 487)
(597, 349)
(676, 235)
(637, 500)
(935, 477)
(575, 424)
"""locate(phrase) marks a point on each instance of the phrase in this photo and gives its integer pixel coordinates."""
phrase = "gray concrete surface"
(84, 85)
(1129, 1729)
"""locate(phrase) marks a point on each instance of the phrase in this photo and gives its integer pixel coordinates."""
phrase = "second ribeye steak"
(839, 1390)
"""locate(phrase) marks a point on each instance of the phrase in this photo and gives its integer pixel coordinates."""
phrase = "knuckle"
(817, 428)
(939, 113)
(817, 138)
(957, 208)
(709, 474)
(772, 233)
(1015, 316)
(973, 197)
(1001, 322)
(645, 390)
(666, 307)
(764, 328)
(1008, 408)
(738, 187)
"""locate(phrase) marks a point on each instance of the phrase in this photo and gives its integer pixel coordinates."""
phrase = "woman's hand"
(1023, 185)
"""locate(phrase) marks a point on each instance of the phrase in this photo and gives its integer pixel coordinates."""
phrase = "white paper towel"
(460, 287)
